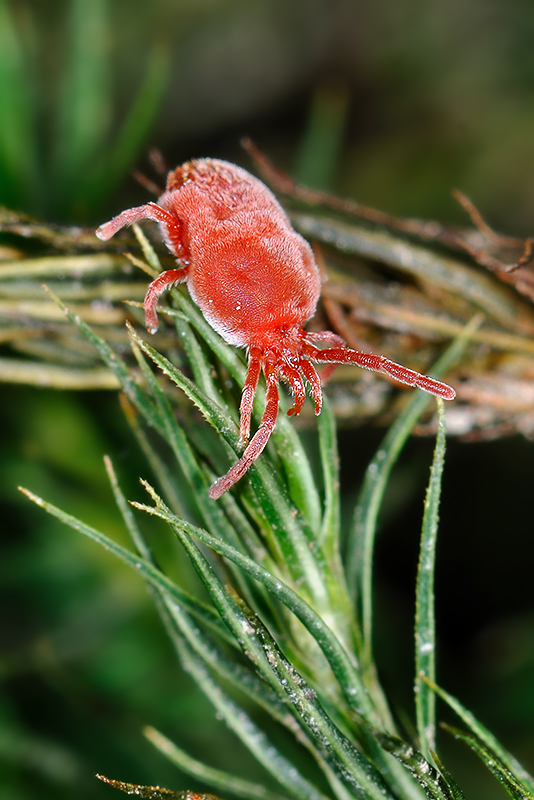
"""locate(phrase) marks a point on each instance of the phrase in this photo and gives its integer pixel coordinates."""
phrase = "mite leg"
(164, 281)
(147, 184)
(149, 211)
(310, 373)
(249, 391)
(258, 441)
(328, 337)
(172, 232)
(294, 378)
(331, 339)
(158, 162)
(171, 226)
(344, 355)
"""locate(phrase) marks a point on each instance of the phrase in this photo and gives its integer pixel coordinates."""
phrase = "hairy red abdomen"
(248, 270)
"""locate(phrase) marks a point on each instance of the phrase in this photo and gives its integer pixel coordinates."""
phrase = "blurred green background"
(394, 103)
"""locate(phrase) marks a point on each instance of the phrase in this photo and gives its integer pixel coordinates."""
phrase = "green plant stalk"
(175, 435)
(331, 519)
(250, 734)
(486, 737)
(296, 553)
(514, 787)
(333, 740)
(127, 514)
(151, 574)
(425, 625)
(235, 716)
(196, 654)
(171, 489)
(213, 514)
(201, 368)
(343, 621)
(434, 784)
(176, 605)
(362, 534)
(358, 774)
(175, 617)
(342, 663)
(221, 781)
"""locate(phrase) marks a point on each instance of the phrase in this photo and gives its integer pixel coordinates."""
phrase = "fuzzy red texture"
(256, 282)
(249, 272)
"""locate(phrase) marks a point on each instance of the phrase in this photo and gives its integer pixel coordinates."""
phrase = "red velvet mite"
(256, 282)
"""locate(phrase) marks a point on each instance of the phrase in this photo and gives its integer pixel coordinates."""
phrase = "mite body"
(256, 282)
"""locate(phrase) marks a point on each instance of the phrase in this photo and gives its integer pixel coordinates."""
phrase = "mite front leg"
(149, 211)
(258, 442)
(412, 378)
(164, 281)
(344, 355)
(172, 233)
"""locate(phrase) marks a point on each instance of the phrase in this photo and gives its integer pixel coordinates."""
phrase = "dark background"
(416, 99)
